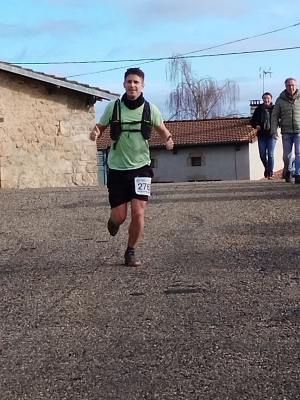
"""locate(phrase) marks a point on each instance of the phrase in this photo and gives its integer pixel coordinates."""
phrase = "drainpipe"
(235, 168)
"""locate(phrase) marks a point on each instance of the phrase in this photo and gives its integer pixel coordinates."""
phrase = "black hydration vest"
(116, 124)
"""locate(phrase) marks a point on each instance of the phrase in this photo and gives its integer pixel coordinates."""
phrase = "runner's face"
(133, 86)
(267, 99)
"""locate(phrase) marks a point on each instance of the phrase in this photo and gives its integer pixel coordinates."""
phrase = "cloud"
(71, 3)
(283, 10)
(59, 27)
(145, 11)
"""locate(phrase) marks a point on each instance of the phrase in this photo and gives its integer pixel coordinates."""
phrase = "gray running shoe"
(112, 227)
(131, 260)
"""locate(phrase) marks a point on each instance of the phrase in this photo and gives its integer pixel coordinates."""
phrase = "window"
(196, 161)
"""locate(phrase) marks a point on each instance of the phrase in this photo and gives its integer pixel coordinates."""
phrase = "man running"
(129, 171)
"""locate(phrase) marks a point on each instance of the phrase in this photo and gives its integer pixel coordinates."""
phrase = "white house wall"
(219, 162)
(256, 166)
(278, 161)
(242, 161)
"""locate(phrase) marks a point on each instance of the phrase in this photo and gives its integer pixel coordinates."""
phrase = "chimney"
(253, 105)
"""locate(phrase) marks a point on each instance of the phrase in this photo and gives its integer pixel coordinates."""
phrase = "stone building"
(44, 129)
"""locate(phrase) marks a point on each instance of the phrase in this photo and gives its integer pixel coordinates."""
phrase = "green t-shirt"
(131, 150)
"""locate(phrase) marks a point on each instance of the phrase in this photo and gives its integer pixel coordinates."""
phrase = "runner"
(129, 172)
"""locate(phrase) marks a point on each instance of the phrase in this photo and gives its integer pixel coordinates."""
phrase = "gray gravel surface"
(214, 312)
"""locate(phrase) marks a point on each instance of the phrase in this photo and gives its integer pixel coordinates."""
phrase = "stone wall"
(44, 135)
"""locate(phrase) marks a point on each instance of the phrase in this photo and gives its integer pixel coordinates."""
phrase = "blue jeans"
(266, 146)
(288, 140)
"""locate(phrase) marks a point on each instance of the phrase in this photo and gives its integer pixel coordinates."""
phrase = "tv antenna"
(262, 74)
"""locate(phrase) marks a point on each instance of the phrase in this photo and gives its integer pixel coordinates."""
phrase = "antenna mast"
(262, 73)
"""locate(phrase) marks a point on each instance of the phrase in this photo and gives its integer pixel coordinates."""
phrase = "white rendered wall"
(219, 162)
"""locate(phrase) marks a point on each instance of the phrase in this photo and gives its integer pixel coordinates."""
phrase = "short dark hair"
(267, 94)
(134, 71)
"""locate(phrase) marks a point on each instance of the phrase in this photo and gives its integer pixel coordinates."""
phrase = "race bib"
(142, 185)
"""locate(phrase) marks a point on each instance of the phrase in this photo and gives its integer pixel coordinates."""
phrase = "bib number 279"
(142, 186)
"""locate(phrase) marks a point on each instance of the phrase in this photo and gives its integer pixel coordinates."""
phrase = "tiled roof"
(191, 132)
(59, 81)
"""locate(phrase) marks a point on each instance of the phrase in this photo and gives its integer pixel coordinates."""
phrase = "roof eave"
(244, 141)
(98, 94)
(203, 143)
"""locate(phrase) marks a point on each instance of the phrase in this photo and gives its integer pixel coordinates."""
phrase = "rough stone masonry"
(44, 135)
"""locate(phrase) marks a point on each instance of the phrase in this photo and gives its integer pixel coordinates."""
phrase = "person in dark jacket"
(261, 121)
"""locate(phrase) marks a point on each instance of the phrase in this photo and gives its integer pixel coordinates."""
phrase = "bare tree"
(198, 99)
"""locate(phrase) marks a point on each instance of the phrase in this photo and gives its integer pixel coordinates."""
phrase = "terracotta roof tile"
(191, 132)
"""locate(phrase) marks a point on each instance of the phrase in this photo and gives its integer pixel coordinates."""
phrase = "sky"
(36, 33)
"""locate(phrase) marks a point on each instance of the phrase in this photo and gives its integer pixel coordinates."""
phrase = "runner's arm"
(165, 135)
(97, 131)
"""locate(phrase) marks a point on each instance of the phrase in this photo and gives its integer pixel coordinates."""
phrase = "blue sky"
(94, 30)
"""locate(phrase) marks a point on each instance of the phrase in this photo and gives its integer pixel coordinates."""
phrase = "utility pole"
(262, 73)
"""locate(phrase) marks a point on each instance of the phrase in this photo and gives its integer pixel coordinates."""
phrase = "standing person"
(129, 175)
(261, 121)
(286, 112)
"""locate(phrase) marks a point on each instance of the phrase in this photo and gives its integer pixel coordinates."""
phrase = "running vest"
(116, 124)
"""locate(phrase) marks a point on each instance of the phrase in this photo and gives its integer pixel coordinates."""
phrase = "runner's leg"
(137, 223)
(118, 214)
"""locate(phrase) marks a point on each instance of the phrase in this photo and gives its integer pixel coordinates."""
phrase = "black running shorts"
(120, 185)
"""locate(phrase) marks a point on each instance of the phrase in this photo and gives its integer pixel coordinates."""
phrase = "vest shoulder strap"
(116, 124)
(116, 114)
(146, 112)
